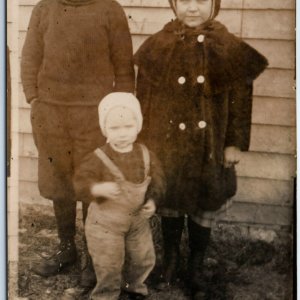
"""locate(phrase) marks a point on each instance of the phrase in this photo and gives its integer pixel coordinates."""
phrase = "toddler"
(124, 183)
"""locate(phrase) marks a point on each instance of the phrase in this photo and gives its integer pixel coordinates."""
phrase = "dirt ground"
(236, 267)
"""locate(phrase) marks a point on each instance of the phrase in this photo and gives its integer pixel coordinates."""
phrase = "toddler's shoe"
(65, 256)
(76, 293)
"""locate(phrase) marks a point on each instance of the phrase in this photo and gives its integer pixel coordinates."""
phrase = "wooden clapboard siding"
(267, 165)
(259, 214)
(276, 82)
(266, 173)
(264, 191)
(274, 111)
(270, 4)
(273, 139)
(265, 24)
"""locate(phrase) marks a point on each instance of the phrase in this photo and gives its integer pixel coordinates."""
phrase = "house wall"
(266, 173)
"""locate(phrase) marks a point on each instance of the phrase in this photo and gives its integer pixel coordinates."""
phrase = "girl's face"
(121, 129)
(193, 12)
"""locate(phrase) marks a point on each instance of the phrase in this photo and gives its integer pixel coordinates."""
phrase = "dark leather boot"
(65, 256)
(87, 281)
(88, 277)
(172, 231)
(199, 237)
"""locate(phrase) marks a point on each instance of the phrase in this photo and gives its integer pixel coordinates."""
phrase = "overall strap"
(146, 158)
(115, 171)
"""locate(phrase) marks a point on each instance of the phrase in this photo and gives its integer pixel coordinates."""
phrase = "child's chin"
(193, 24)
(122, 147)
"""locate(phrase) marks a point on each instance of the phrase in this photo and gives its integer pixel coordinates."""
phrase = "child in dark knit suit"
(75, 53)
(124, 183)
(195, 86)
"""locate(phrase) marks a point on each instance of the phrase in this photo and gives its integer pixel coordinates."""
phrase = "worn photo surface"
(195, 198)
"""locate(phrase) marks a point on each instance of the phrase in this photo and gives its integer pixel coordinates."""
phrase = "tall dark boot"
(172, 231)
(199, 237)
(65, 214)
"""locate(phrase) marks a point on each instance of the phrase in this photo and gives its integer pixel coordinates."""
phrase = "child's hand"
(148, 209)
(110, 190)
(232, 156)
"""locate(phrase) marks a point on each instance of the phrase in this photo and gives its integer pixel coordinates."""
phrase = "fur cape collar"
(227, 58)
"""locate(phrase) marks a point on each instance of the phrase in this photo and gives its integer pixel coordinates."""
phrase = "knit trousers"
(65, 216)
(63, 136)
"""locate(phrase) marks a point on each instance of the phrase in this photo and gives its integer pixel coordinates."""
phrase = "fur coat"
(195, 88)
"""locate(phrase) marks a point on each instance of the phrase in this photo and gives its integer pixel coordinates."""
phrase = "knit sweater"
(92, 170)
(76, 52)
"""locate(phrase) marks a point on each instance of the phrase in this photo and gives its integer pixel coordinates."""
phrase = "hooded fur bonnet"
(214, 12)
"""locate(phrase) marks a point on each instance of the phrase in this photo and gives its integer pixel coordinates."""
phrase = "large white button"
(202, 124)
(181, 80)
(182, 126)
(200, 38)
(200, 79)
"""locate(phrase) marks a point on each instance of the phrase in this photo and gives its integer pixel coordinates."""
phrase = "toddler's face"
(193, 12)
(121, 129)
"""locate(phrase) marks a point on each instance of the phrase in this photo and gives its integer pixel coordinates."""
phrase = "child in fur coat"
(195, 84)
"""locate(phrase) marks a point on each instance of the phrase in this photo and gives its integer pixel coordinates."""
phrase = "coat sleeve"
(121, 49)
(32, 55)
(239, 116)
(246, 65)
(157, 187)
(88, 173)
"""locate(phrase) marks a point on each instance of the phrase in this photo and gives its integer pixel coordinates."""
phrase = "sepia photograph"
(151, 149)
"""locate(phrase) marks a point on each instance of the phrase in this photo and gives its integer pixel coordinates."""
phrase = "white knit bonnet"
(119, 99)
